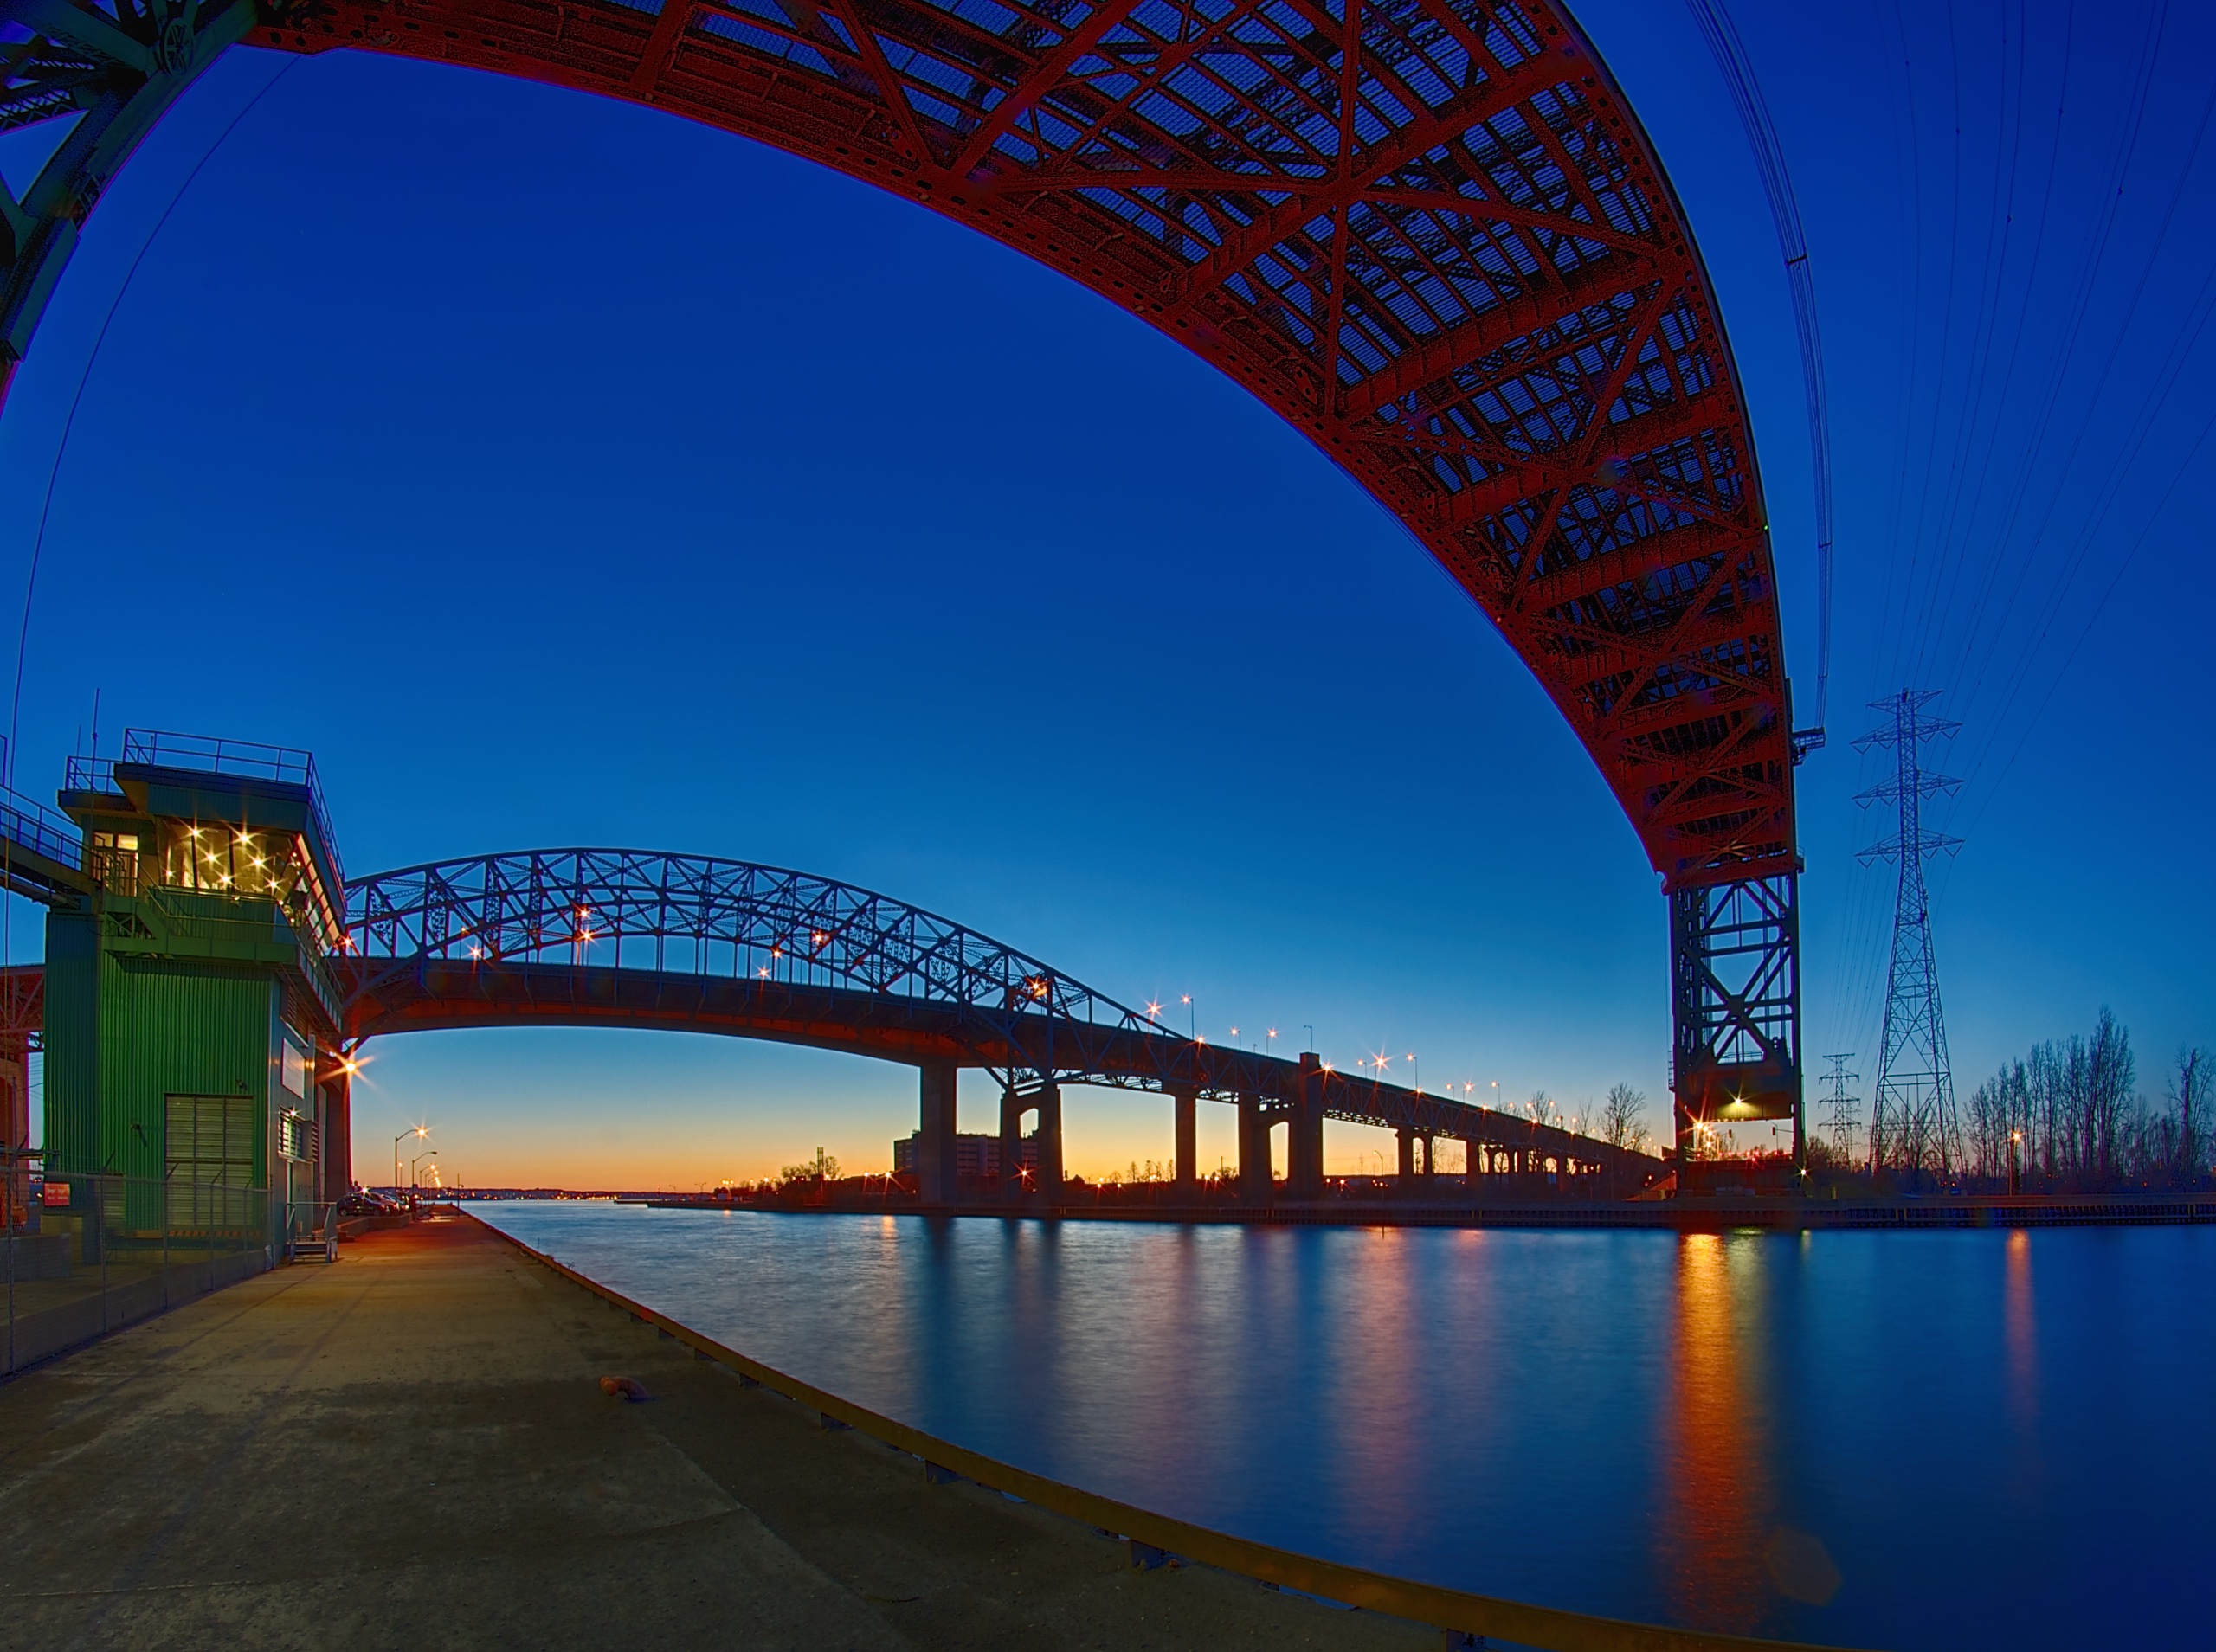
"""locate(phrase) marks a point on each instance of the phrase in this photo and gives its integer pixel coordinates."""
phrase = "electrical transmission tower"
(1912, 1124)
(1839, 1106)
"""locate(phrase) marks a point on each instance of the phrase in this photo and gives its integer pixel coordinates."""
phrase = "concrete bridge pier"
(1011, 1144)
(1430, 1172)
(1304, 1152)
(1185, 1108)
(1473, 1161)
(936, 1182)
(1050, 1139)
(1406, 1165)
(1255, 1185)
(1045, 1142)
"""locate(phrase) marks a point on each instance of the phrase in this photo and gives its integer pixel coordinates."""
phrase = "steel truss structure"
(615, 937)
(1430, 233)
(1736, 984)
(1913, 1127)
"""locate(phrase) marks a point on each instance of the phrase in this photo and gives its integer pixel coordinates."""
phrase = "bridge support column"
(1407, 1165)
(935, 1181)
(1011, 1144)
(1185, 1108)
(1473, 1162)
(1050, 1140)
(1305, 1153)
(1255, 1187)
(1430, 1172)
(338, 1140)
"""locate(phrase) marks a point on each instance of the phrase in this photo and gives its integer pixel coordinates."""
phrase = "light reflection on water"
(1888, 1439)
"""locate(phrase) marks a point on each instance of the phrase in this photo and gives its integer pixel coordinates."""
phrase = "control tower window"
(230, 861)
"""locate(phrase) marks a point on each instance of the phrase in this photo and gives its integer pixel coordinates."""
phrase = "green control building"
(194, 1083)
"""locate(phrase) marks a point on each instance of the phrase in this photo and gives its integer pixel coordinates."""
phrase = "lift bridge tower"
(1912, 1124)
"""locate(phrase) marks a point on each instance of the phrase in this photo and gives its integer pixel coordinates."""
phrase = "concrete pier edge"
(1455, 1612)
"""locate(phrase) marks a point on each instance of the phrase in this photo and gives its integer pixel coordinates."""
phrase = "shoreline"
(1692, 1215)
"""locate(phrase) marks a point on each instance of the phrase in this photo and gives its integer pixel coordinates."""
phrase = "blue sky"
(561, 472)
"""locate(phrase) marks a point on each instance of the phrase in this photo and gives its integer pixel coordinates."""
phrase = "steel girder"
(1430, 233)
(577, 937)
(113, 68)
(695, 915)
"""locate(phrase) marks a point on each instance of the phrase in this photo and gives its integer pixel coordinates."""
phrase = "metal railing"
(209, 754)
(41, 830)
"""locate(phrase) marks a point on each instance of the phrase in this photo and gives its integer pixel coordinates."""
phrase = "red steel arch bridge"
(1430, 233)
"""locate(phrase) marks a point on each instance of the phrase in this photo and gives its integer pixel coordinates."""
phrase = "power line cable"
(69, 423)
(2085, 286)
(1731, 53)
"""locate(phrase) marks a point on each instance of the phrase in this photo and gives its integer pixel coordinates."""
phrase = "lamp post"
(416, 1160)
(420, 1130)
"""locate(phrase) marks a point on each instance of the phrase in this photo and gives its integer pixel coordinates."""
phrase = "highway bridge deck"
(411, 1449)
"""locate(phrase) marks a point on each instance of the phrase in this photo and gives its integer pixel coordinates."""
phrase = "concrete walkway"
(412, 1448)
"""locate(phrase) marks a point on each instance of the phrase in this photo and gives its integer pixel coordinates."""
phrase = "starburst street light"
(418, 1131)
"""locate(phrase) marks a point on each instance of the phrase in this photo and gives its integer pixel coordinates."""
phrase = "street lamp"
(416, 1160)
(420, 1130)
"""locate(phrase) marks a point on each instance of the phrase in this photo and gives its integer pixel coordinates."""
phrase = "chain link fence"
(82, 1254)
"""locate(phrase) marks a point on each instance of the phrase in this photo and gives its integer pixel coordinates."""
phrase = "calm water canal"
(1909, 1440)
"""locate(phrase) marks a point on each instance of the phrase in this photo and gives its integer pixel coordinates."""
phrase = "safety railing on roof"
(209, 755)
(90, 774)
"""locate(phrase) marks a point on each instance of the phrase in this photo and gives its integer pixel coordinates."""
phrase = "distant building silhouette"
(974, 1155)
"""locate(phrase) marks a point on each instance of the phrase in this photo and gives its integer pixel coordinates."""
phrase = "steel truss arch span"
(696, 915)
(638, 938)
(1430, 233)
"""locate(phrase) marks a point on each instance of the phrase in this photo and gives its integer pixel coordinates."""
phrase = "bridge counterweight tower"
(1735, 969)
